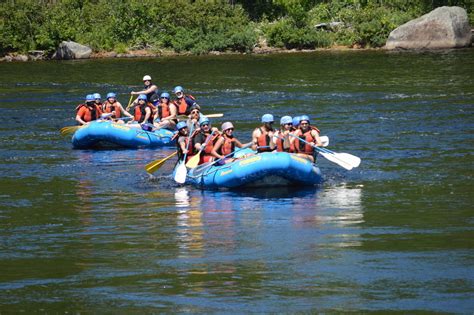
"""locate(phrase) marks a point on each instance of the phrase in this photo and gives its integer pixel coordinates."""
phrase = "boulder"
(72, 50)
(444, 27)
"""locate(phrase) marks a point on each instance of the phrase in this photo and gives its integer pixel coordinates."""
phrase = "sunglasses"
(163, 97)
(146, 80)
(195, 112)
(203, 125)
(230, 129)
(290, 124)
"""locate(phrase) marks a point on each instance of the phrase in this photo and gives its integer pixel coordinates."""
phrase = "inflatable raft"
(109, 134)
(259, 170)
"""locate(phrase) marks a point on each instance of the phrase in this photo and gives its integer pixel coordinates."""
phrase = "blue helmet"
(181, 125)
(142, 97)
(111, 95)
(204, 120)
(178, 89)
(97, 96)
(267, 118)
(90, 98)
(305, 117)
(165, 95)
(286, 120)
(296, 121)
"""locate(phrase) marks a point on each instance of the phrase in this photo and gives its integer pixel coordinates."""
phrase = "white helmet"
(146, 78)
(227, 125)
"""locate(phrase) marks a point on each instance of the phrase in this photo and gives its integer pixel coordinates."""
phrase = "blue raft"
(109, 134)
(263, 169)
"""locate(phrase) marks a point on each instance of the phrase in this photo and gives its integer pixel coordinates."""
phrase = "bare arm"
(152, 88)
(216, 148)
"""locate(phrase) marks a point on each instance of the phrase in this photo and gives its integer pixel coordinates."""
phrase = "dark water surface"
(90, 231)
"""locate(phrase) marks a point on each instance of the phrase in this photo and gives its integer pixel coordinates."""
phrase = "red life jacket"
(92, 112)
(279, 144)
(140, 113)
(263, 141)
(211, 141)
(164, 110)
(228, 146)
(190, 148)
(183, 104)
(108, 107)
(302, 147)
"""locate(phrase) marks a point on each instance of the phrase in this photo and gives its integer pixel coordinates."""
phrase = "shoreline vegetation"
(32, 30)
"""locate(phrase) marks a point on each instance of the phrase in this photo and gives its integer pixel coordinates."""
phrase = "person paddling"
(205, 140)
(183, 138)
(194, 117)
(225, 144)
(165, 116)
(143, 111)
(88, 111)
(97, 99)
(282, 137)
(262, 137)
(111, 105)
(183, 102)
(308, 133)
(149, 89)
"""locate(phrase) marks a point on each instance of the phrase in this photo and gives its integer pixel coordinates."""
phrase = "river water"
(91, 231)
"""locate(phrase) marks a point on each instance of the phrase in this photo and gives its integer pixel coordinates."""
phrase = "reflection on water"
(343, 204)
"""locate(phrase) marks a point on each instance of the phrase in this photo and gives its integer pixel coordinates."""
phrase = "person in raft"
(111, 105)
(311, 135)
(194, 116)
(281, 137)
(182, 142)
(149, 89)
(205, 139)
(97, 99)
(165, 115)
(143, 113)
(226, 143)
(183, 102)
(88, 111)
(262, 137)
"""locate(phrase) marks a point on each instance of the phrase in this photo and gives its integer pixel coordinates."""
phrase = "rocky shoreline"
(441, 29)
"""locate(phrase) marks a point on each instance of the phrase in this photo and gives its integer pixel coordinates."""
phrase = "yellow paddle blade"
(155, 165)
(194, 161)
(69, 130)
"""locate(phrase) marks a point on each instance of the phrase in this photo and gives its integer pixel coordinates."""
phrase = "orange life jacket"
(210, 142)
(184, 104)
(302, 147)
(228, 146)
(108, 107)
(164, 110)
(140, 113)
(279, 144)
(188, 145)
(89, 113)
(263, 141)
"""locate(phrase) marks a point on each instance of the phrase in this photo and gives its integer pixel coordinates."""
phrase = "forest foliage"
(203, 26)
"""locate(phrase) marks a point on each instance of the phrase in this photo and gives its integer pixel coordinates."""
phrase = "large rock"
(72, 50)
(444, 27)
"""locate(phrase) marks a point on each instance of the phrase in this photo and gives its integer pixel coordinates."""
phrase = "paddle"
(69, 130)
(155, 165)
(194, 161)
(208, 116)
(181, 170)
(345, 160)
(129, 103)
